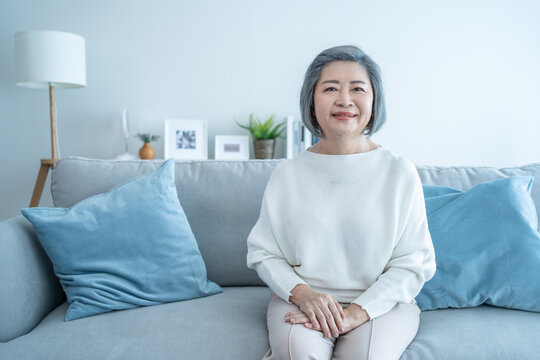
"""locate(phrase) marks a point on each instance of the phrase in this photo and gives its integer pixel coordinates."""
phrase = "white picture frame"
(232, 147)
(186, 139)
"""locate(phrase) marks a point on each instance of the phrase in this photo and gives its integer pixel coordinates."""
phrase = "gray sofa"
(222, 202)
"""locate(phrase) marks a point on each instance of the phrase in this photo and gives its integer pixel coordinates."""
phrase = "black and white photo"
(185, 139)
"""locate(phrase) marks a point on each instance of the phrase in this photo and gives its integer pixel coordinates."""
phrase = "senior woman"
(342, 239)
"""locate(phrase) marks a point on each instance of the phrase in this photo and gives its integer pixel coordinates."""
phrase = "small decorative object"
(147, 152)
(264, 135)
(125, 130)
(186, 139)
(232, 147)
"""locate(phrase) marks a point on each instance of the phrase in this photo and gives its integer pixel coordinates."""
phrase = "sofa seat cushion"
(480, 333)
(232, 325)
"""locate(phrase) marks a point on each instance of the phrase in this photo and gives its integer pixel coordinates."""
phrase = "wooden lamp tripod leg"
(46, 163)
(40, 182)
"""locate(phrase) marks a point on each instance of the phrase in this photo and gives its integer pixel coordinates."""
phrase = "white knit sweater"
(352, 226)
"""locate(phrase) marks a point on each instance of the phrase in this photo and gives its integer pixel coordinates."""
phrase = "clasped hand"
(322, 312)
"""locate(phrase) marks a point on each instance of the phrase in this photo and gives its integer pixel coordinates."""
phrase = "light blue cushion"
(131, 246)
(487, 247)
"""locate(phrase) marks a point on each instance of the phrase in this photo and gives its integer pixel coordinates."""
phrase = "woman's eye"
(358, 89)
(330, 89)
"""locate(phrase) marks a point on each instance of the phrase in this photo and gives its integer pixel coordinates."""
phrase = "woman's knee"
(302, 343)
(394, 332)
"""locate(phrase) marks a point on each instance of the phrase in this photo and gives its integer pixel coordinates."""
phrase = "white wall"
(462, 77)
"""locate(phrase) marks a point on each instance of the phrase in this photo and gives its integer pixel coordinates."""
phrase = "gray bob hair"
(313, 73)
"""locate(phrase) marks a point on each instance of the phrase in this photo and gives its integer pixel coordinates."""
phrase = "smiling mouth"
(344, 115)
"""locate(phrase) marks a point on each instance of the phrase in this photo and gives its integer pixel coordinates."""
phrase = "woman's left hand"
(354, 317)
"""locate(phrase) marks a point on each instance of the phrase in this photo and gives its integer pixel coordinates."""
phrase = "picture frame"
(232, 147)
(186, 139)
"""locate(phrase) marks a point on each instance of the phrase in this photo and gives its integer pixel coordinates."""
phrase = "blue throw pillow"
(487, 246)
(131, 246)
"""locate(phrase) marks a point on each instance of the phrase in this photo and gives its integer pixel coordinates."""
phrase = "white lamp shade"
(50, 57)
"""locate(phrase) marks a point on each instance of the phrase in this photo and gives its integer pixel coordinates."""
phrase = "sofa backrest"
(222, 199)
(465, 177)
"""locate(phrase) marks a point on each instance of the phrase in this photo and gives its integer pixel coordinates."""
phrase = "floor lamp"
(49, 59)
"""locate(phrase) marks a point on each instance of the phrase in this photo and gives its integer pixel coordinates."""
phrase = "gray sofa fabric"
(222, 201)
(483, 332)
(29, 288)
(232, 325)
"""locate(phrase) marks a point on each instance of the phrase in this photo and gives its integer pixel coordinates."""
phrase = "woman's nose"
(344, 99)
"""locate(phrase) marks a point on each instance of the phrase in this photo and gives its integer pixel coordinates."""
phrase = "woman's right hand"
(323, 311)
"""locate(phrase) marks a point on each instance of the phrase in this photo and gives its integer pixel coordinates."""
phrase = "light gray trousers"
(383, 338)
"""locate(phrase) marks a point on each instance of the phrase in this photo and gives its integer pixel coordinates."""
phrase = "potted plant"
(147, 151)
(264, 135)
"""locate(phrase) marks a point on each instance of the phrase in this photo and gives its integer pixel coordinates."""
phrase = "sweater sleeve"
(264, 254)
(412, 262)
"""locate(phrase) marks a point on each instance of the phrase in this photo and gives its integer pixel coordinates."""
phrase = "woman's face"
(343, 100)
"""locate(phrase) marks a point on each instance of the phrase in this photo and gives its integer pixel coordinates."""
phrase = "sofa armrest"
(30, 290)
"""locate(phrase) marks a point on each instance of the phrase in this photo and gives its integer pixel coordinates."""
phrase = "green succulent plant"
(263, 130)
(146, 138)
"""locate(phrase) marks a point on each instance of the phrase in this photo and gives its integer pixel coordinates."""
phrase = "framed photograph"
(186, 139)
(232, 147)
